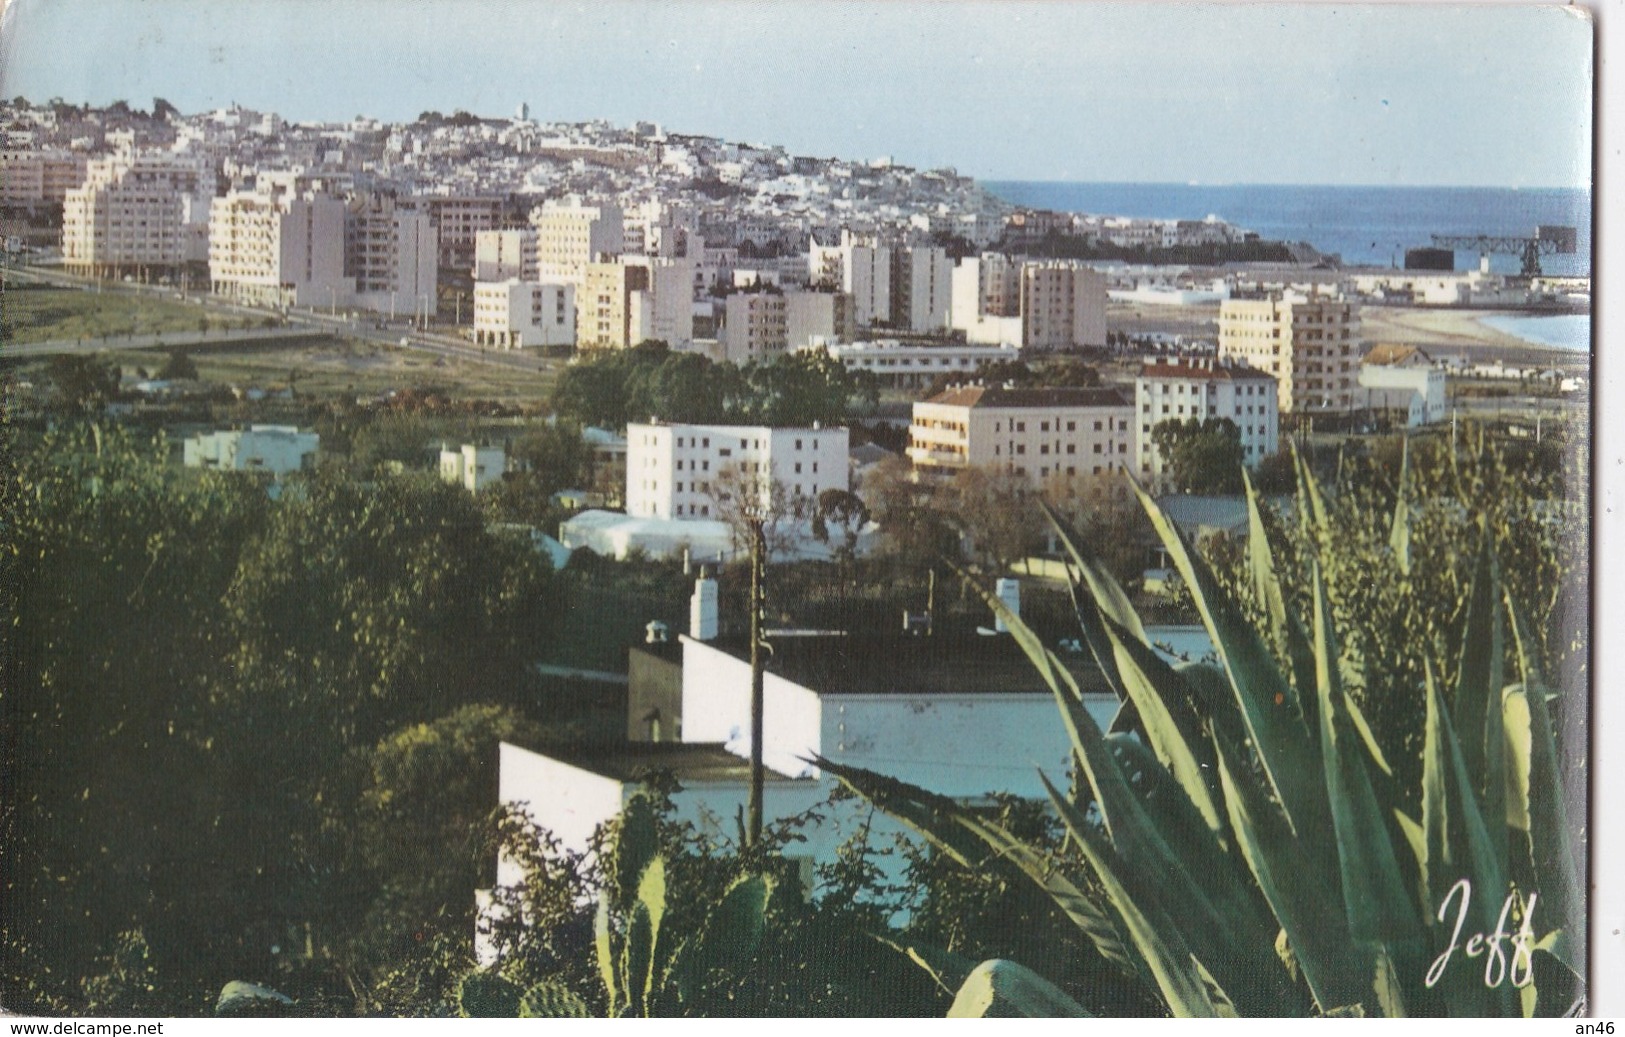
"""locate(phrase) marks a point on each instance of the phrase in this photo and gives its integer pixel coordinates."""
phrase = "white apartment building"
(472, 467)
(859, 267)
(1050, 304)
(279, 245)
(571, 235)
(501, 254)
(664, 310)
(276, 449)
(1198, 388)
(137, 212)
(907, 366)
(512, 314)
(673, 471)
(818, 318)
(922, 287)
(390, 249)
(1038, 432)
(609, 303)
(1310, 345)
(754, 326)
(1062, 304)
(659, 229)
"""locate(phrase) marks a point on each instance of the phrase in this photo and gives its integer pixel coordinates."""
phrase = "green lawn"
(54, 314)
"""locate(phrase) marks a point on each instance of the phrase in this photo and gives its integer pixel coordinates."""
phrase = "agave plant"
(1242, 844)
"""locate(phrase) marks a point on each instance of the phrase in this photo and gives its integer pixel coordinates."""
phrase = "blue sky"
(1319, 93)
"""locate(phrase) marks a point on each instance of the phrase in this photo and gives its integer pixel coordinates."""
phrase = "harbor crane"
(1548, 240)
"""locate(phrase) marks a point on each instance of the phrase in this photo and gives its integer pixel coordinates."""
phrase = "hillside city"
(472, 463)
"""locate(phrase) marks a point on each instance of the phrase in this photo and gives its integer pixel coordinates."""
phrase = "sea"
(1365, 226)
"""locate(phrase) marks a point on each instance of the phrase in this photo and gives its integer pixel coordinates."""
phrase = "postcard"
(812, 509)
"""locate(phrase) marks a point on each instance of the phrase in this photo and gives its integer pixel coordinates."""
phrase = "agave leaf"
(1155, 935)
(1399, 534)
(1304, 896)
(1379, 906)
(1171, 727)
(636, 843)
(1286, 629)
(1196, 884)
(1005, 989)
(1550, 842)
(1516, 723)
(1389, 991)
(1269, 705)
(1103, 587)
(1458, 847)
(1312, 513)
(652, 900)
(943, 824)
(1477, 713)
(605, 948)
(946, 969)
(636, 953)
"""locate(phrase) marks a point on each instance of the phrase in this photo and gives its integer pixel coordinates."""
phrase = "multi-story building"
(146, 212)
(513, 313)
(659, 229)
(1401, 380)
(861, 268)
(390, 250)
(1038, 432)
(39, 177)
(1052, 304)
(678, 471)
(1310, 345)
(502, 254)
(664, 310)
(908, 366)
(572, 235)
(754, 326)
(458, 221)
(922, 288)
(1198, 388)
(1062, 304)
(280, 244)
(821, 318)
(606, 305)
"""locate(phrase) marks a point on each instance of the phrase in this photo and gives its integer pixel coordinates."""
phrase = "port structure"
(1548, 240)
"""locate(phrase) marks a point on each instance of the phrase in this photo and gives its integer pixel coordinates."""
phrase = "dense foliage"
(222, 711)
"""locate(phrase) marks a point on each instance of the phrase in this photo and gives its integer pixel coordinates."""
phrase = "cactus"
(1249, 848)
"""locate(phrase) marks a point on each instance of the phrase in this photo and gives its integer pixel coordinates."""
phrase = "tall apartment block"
(1310, 345)
(390, 250)
(138, 213)
(279, 244)
(571, 235)
(1200, 389)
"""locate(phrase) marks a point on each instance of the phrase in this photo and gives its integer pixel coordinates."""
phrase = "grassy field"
(55, 314)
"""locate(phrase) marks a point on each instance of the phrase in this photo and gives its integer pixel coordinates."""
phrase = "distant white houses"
(275, 449)
(472, 467)
(910, 366)
(1403, 379)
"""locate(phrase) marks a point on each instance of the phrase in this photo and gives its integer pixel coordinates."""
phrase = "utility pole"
(758, 606)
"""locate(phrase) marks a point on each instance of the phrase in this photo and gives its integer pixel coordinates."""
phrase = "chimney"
(1009, 592)
(702, 610)
(656, 633)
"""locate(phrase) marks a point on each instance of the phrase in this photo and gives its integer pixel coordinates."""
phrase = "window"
(1021, 426)
(1097, 426)
(1021, 448)
(1072, 448)
(798, 444)
(1072, 426)
(798, 467)
(1043, 426)
(1097, 448)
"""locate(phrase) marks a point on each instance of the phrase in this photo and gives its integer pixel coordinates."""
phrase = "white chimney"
(702, 610)
(1009, 592)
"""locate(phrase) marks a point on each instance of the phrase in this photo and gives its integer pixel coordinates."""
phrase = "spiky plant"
(1243, 845)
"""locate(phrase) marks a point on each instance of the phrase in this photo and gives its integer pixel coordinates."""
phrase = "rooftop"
(1023, 396)
(1205, 371)
(687, 761)
(896, 664)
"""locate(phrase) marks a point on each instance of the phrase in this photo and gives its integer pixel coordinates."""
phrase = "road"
(366, 327)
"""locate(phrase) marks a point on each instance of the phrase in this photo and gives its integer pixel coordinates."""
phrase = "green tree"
(83, 383)
(1202, 456)
(179, 366)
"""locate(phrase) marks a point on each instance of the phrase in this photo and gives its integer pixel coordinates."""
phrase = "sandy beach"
(1440, 332)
